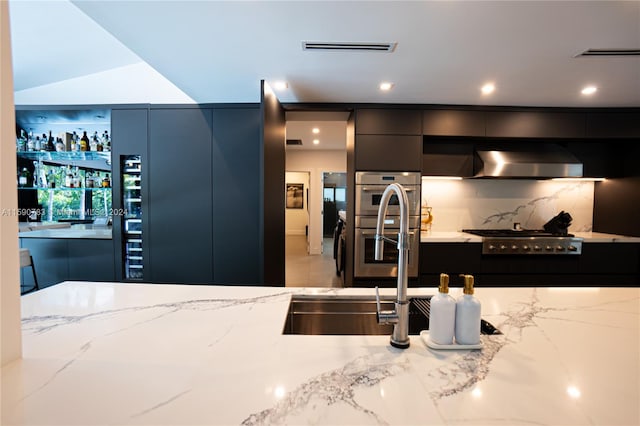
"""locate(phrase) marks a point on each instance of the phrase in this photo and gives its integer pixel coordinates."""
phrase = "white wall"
(316, 162)
(296, 220)
(9, 258)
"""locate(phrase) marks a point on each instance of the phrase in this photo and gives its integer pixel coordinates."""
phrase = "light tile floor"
(304, 270)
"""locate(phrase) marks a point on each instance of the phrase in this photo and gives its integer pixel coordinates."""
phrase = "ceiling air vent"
(609, 52)
(294, 141)
(350, 46)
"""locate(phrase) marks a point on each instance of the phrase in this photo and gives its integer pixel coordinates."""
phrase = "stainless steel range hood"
(533, 161)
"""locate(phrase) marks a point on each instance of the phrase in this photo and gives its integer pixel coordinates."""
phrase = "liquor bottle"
(84, 142)
(51, 179)
(21, 142)
(31, 143)
(43, 142)
(59, 145)
(68, 179)
(106, 142)
(50, 143)
(37, 145)
(106, 181)
(23, 178)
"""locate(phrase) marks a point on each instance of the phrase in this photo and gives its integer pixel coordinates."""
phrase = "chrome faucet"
(399, 317)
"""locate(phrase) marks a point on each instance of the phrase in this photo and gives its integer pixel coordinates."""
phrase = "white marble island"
(136, 354)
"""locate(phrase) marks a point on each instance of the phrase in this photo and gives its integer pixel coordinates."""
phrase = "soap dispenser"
(442, 314)
(467, 326)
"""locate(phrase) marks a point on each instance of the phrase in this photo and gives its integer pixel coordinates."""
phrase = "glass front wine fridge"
(132, 207)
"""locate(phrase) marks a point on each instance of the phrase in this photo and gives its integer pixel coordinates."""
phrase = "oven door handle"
(381, 190)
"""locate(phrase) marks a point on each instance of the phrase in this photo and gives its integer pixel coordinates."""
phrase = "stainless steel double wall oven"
(369, 189)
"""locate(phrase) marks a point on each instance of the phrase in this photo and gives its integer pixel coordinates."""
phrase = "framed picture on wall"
(295, 195)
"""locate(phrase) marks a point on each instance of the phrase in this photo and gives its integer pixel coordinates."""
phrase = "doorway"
(316, 144)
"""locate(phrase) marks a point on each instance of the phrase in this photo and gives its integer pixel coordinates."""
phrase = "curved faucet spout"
(400, 317)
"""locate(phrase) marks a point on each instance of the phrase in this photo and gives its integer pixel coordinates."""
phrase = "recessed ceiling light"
(316, 141)
(488, 88)
(315, 130)
(589, 90)
(385, 86)
(280, 85)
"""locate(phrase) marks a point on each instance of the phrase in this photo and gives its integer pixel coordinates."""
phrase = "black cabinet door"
(447, 159)
(534, 124)
(370, 121)
(180, 192)
(388, 153)
(453, 123)
(613, 125)
(91, 260)
(236, 189)
(50, 258)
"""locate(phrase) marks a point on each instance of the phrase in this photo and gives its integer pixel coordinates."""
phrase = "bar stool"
(27, 260)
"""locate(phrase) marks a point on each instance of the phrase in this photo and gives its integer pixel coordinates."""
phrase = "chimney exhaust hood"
(532, 161)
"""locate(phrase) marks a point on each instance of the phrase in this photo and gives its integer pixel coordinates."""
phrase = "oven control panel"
(532, 245)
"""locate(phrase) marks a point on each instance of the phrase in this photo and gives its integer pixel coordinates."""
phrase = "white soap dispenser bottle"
(442, 314)
(467, 328)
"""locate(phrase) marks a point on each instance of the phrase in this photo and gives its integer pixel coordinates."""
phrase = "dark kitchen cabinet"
(600, 265)
(388, 153)
(447, 158)
(449, 258)
(372, 121)
(64, 259)
(91, 260)
(180, 188)
(453, 123)
(610, 259)
(534, 124)
(619, 124)
(236, 194)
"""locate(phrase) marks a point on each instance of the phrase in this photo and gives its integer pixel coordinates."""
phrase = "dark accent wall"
(273, 194)
(351, 201)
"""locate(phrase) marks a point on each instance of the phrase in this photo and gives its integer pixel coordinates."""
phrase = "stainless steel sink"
(346, 315)
(349, 315)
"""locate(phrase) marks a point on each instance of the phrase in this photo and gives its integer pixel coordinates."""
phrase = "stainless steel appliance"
(527, 242)
(369, 189)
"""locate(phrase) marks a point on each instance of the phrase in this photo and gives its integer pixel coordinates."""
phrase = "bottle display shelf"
(65, 155)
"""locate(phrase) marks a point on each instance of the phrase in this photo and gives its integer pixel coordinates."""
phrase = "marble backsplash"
(499, 203)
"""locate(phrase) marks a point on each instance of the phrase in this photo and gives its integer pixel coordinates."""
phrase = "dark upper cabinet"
(371, 121)
(534, 124)
(453, 123)
(388, 153)
(180, 189)
(447, 158)
(613, 125)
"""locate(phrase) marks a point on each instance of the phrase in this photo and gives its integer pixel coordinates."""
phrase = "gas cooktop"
(526, 242)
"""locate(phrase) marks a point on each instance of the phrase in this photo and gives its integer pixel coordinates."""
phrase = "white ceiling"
(141, 51)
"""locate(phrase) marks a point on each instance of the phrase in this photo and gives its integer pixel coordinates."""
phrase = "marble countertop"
(65, 230)
(140, 354)
(463, 237)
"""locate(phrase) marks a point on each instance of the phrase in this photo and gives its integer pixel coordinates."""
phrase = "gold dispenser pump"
(444, 283)
(468, 283)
